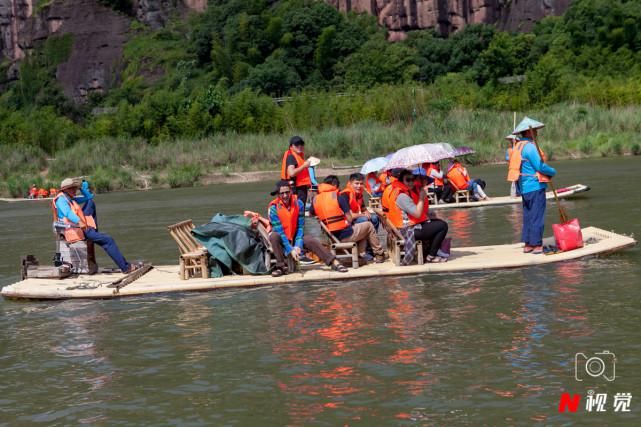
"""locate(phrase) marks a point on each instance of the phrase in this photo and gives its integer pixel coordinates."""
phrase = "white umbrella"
(374, 165)
(419, 154)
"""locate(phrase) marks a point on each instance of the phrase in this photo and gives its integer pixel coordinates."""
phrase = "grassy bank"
(573, 131)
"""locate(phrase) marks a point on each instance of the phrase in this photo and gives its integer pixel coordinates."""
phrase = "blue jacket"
(532, 163)
(64, 208)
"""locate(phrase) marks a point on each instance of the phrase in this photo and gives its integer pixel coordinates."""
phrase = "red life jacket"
(370, 190)
(457, 177)
(302, 179)
(355, 199)
(514, 165)
(414, 194)
(288, 215)
(388, 202)
(438, 182)
(328, 210)
(73, 233)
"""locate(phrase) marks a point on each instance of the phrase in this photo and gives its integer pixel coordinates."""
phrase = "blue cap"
(526, 124)
(419, 172)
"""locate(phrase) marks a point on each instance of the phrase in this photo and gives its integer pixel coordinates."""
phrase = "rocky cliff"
(99, 33)
(451, 15)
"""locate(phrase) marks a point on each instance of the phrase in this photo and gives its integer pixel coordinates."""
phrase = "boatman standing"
(82, 224)
(295, 168)
(528, 169)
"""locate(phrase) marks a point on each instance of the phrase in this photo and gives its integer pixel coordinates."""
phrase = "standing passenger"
(295, 168)
(529, 170)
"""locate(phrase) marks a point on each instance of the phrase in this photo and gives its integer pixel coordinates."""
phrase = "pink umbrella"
(418, 154)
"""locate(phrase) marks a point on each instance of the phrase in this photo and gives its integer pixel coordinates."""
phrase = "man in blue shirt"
(82, 221)
(533, 175)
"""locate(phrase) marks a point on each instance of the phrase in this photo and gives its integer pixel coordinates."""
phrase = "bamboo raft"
(21, 199)
(162, 279)
(507, 200)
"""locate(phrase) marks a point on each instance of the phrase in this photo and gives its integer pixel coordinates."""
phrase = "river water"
(490, 348)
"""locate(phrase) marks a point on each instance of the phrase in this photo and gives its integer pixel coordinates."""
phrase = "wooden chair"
(194, 259)
(374, 202)
(348, 250)
(460, 194)
(396, 242)
(269, 253)
(431, 197)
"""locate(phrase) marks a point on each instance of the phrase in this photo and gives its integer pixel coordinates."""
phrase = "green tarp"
(231, 243)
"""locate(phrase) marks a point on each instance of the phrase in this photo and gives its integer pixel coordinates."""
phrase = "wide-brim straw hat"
(313, 161)
(512, 137)
(68, 183)
(526, 124)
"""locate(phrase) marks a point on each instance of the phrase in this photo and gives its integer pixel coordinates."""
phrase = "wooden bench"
(396, 241)
(348, 250)
(194, 258)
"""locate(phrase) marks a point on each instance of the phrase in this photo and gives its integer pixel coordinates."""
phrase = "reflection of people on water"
(528, 169)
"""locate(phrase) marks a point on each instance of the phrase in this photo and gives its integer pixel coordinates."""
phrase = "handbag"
(568, 235)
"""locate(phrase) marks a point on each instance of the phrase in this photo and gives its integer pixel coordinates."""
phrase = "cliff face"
(448, 16)
(99, 33)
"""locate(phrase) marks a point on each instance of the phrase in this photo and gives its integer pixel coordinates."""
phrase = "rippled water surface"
(483, 348)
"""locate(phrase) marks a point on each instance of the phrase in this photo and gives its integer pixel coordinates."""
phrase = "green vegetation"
(198, 95)
(572, 131)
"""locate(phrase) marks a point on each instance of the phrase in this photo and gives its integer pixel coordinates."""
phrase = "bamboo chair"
(269, 253)
(348, 250)
(396, 242)
(374, 202)
(460, 194)
(194, 258)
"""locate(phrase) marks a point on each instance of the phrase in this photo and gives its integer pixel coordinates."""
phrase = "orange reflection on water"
(460, 227)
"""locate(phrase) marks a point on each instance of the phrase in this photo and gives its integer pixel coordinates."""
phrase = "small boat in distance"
(563, 193)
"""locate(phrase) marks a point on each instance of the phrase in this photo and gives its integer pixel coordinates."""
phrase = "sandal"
(435, 259)
(527, 249)
(338, 267)
(277, 272)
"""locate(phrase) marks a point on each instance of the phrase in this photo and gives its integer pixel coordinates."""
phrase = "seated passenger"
(459, 179)
(33, 192)
(408, 211)
(373, 185)
(354, 193)
(82, 223)
(287, 218)
(42, 193)
(435, 178)
(335, 213)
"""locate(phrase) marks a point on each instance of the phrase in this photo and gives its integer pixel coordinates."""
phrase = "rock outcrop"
(448, 16)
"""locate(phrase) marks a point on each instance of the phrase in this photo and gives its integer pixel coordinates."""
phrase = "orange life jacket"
(73, 233)
(327, 208)
(414, 194)
(53, 192)
(388, 202)
(355, 199)
(457, 177)
(288, 216)
(438, 182)
(43, 193)
(378, 181)
(302, 179)
(386, 180)
(514, 165)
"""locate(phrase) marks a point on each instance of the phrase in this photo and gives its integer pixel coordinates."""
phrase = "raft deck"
(507, 200)
(165, 278)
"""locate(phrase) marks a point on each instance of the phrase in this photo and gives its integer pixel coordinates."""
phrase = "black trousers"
(301, 193)
(431, 234)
